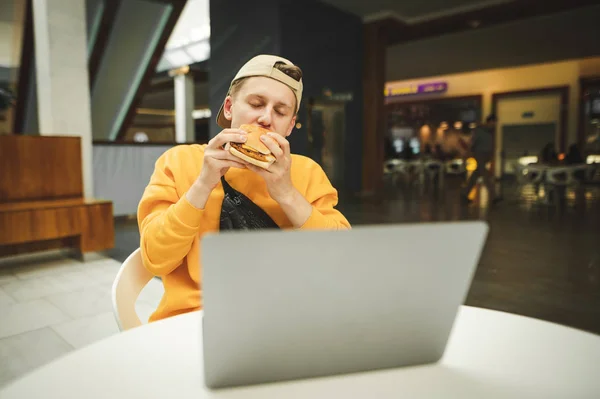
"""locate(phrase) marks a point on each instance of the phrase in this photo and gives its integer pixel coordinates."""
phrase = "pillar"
(184, 106)
(374, 124)
(62, 75)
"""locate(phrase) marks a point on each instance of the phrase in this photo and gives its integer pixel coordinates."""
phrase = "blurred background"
(394, 91)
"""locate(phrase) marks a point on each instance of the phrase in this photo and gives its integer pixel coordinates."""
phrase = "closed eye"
(282, 111)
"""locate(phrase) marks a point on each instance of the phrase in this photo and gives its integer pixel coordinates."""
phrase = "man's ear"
(291, 126)
(227, 112)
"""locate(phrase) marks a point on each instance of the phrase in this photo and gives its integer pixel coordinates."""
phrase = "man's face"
(265, 102)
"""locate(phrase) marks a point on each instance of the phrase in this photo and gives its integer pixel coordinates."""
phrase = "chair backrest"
(129, 283)
(533, 173)
(588, 172)
(455, 167)
(390, 165)
(560, 176)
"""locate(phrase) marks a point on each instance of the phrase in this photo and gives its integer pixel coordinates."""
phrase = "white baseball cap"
(263, 65)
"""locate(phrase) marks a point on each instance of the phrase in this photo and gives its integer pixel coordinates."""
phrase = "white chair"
(391, 166)
(455, 167)
(532, 174)
(432, 170)
(129, 283)
(394, 168)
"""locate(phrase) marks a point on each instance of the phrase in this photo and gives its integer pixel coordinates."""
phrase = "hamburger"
(253, 150)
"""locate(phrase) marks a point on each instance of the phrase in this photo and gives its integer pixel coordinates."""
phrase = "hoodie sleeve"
(168, 223)
(324, 198)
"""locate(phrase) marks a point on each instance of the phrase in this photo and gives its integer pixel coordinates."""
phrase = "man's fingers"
(224, 163)
(227, 136)
(220, 140)
(281, 141)
(223, 154)
(272, 145)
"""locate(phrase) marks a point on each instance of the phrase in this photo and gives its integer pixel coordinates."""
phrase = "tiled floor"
(51, 304)
(540, 260)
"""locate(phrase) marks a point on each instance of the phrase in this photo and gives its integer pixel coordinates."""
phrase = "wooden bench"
(41, 198)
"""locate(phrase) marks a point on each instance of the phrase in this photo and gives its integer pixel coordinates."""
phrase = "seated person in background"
(574, 156)
(407, 152)
(389, 150)
(439, 153)
(548, 156)
(197, 189)
(427, 151)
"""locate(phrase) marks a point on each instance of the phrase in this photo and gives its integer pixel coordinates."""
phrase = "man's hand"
(279, 180)
(217, 161)
(278, 176)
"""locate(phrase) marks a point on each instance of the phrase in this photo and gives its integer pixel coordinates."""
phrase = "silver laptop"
(283, 306)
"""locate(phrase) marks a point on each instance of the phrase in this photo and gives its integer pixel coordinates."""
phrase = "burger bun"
(261, 164)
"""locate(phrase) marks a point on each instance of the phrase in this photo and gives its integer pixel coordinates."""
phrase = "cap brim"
(221, 120)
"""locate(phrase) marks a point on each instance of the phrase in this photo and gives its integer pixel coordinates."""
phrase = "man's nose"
(265, 117)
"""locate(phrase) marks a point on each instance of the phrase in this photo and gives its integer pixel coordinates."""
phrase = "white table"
(490, 355)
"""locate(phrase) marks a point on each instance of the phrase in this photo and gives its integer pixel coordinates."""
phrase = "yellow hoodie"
(171, 227)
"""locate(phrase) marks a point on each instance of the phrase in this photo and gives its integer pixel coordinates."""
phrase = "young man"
(197, 189)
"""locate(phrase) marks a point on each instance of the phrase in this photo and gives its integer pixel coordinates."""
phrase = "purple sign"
(412, 89)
